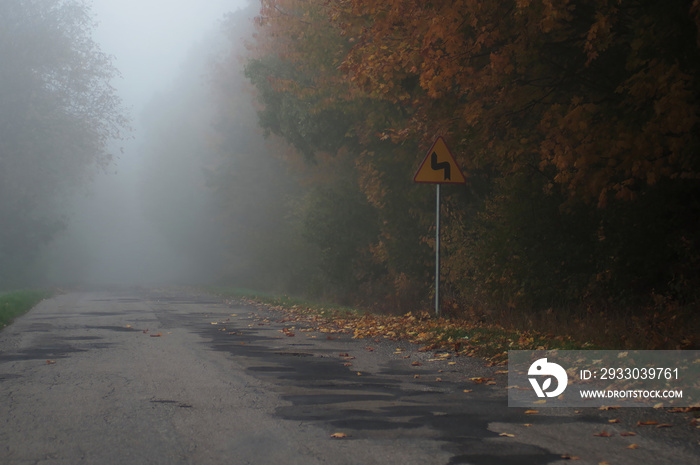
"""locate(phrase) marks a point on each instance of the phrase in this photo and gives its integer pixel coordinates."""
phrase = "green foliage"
(288, 115)
(339, 221)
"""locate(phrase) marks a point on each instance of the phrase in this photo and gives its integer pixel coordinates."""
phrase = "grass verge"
(16, 303)
(284, 301)
(452, 334)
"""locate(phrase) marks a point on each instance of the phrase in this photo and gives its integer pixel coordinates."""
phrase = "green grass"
(324, 309)
(16, 303)
(492, 340)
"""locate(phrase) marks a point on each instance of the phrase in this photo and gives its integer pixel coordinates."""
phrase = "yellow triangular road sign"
(439, 166)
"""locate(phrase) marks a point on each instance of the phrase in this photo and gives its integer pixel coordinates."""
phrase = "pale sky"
(109, 239)
(151, 38)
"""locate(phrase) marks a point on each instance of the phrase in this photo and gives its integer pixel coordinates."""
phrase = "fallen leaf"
(416, 376)
(683, 409)
(468, 390)
(508, 435)
(541, 401)
(628, 433)
(664, 425)
(480, 380)
(608, 408)
(603, 434)
(157, 335)
(348, 364)
(344, 355)
(527, 424)
(359, 373)
(615, 420)
(416, 364)
(570, 457)
(531, 412)
(633, 446)
(604, 463)
(339, 435)
(50, 362)
(438, 379)
(647, 423)
(370, 349)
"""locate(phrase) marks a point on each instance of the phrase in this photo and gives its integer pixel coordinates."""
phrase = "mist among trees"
(58, 113)
(282, 157)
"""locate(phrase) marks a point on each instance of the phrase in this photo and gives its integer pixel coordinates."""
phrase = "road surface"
(179, 377)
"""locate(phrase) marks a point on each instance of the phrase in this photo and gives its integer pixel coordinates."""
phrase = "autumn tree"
(58, 113)
(583, 116)
(576, 123)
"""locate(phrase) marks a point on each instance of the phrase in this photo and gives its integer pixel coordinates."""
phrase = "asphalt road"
(176, 377)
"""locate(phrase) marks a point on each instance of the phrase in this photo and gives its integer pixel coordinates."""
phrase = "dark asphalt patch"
(110, 314)
(174, 403)
(39, 328)
(269, 369)
(56, 347)
(41, 353)
(120, 329)
(295, 354)
(378, 406)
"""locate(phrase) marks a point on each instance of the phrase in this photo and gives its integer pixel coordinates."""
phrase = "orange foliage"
(575, 86)
(579, 104)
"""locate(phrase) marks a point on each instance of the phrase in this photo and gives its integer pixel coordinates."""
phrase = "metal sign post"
(437, 250)
(439, 167)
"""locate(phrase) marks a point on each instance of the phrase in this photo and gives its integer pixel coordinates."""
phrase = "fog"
(117, 230)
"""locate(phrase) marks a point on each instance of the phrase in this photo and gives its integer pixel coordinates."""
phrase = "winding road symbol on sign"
(439, 166)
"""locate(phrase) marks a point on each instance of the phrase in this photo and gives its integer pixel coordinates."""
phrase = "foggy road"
(174, 377)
